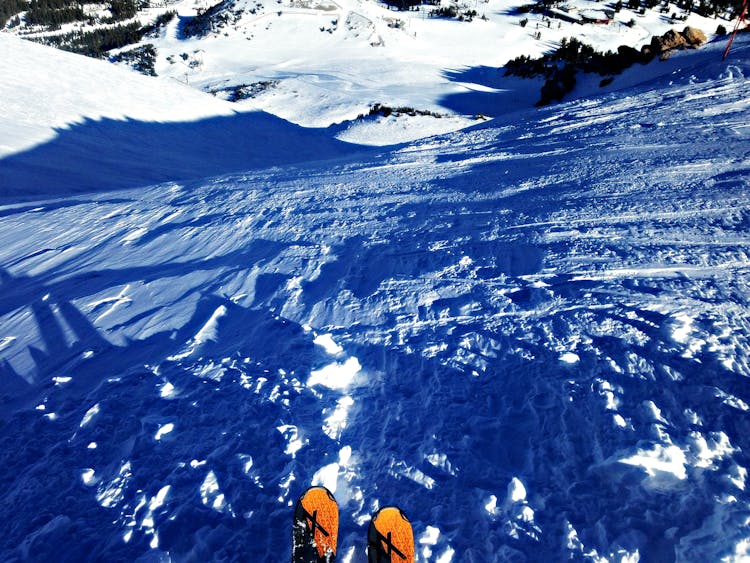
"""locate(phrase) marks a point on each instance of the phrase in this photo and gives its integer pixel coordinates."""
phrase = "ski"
(316, 527)
(390, 538)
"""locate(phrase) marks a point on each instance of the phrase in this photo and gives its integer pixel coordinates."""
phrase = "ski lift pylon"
(740, 20)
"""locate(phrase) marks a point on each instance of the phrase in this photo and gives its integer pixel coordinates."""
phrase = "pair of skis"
(316, 522)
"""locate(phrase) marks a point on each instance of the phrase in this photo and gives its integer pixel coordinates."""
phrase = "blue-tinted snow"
(536, 343)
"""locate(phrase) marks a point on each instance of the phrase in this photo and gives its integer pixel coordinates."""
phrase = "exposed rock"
(672, 40)
(694, 36)
(669, 41)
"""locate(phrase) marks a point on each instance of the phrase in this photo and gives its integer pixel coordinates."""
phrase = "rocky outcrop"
(669, 41)
(672, 40)
(694, 36)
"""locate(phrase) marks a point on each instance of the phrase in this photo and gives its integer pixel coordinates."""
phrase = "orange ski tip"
(322, 518)
(394, 535)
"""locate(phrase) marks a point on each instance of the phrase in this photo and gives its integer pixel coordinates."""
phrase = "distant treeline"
(142, 59)
(707, 8)
(97, 42)
(560, 66)
(54, 13)
(710, 8)
(205, 21)
(9, 8)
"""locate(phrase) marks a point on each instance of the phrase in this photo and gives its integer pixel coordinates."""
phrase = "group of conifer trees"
(52, 14)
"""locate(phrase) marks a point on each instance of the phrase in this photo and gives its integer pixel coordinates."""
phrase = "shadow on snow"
(489, 92)
(104, 155)
(233, 398)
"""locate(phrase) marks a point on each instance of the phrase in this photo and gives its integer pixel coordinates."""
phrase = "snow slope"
(325, 62)
(320, 63)
(532, 335)
(69, 126)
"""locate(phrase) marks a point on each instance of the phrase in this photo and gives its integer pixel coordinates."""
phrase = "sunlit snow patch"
(574, 543)
(738, 476)
(110, 494)
(326, 341)
(683, 330)
(134, 236)
(209, 332)
(285, 487)
(6, 341)
(400, 468)
(619, 421)
(336, 422)
(446, 556)
(345, 455)
(440, 461)
(428, 540)
(167, 391)
(247, 463)
(660, 460)
(291, 435)
(731, 400)
(120, 299)
(163, 429)
(682, 333)
(211, 494)
(516, 491)
(709, 449)
(491, 506)
(517, 511)
(156, 502)
(90, 414)
(336, 375)
(741, 552)
(327, 476)
(348, 557)
(570, 358)
(654, 412)
(88, 477)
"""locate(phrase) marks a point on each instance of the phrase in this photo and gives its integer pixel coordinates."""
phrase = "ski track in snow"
(531, 336)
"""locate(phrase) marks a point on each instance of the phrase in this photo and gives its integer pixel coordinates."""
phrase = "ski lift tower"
(740, 20)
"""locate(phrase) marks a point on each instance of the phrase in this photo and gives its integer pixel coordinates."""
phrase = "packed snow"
(532, 334)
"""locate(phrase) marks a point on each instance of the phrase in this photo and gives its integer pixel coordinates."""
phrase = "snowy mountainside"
(44, 90)
(324, 62)
(532, 335)
(78, 124)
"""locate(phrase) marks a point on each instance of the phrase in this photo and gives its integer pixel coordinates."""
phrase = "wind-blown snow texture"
(532, 335)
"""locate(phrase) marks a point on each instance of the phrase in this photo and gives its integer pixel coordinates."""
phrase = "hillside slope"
(532, 335)
(76, 124)
(318, 63)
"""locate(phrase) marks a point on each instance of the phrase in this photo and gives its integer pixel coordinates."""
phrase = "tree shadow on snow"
(489, 92)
